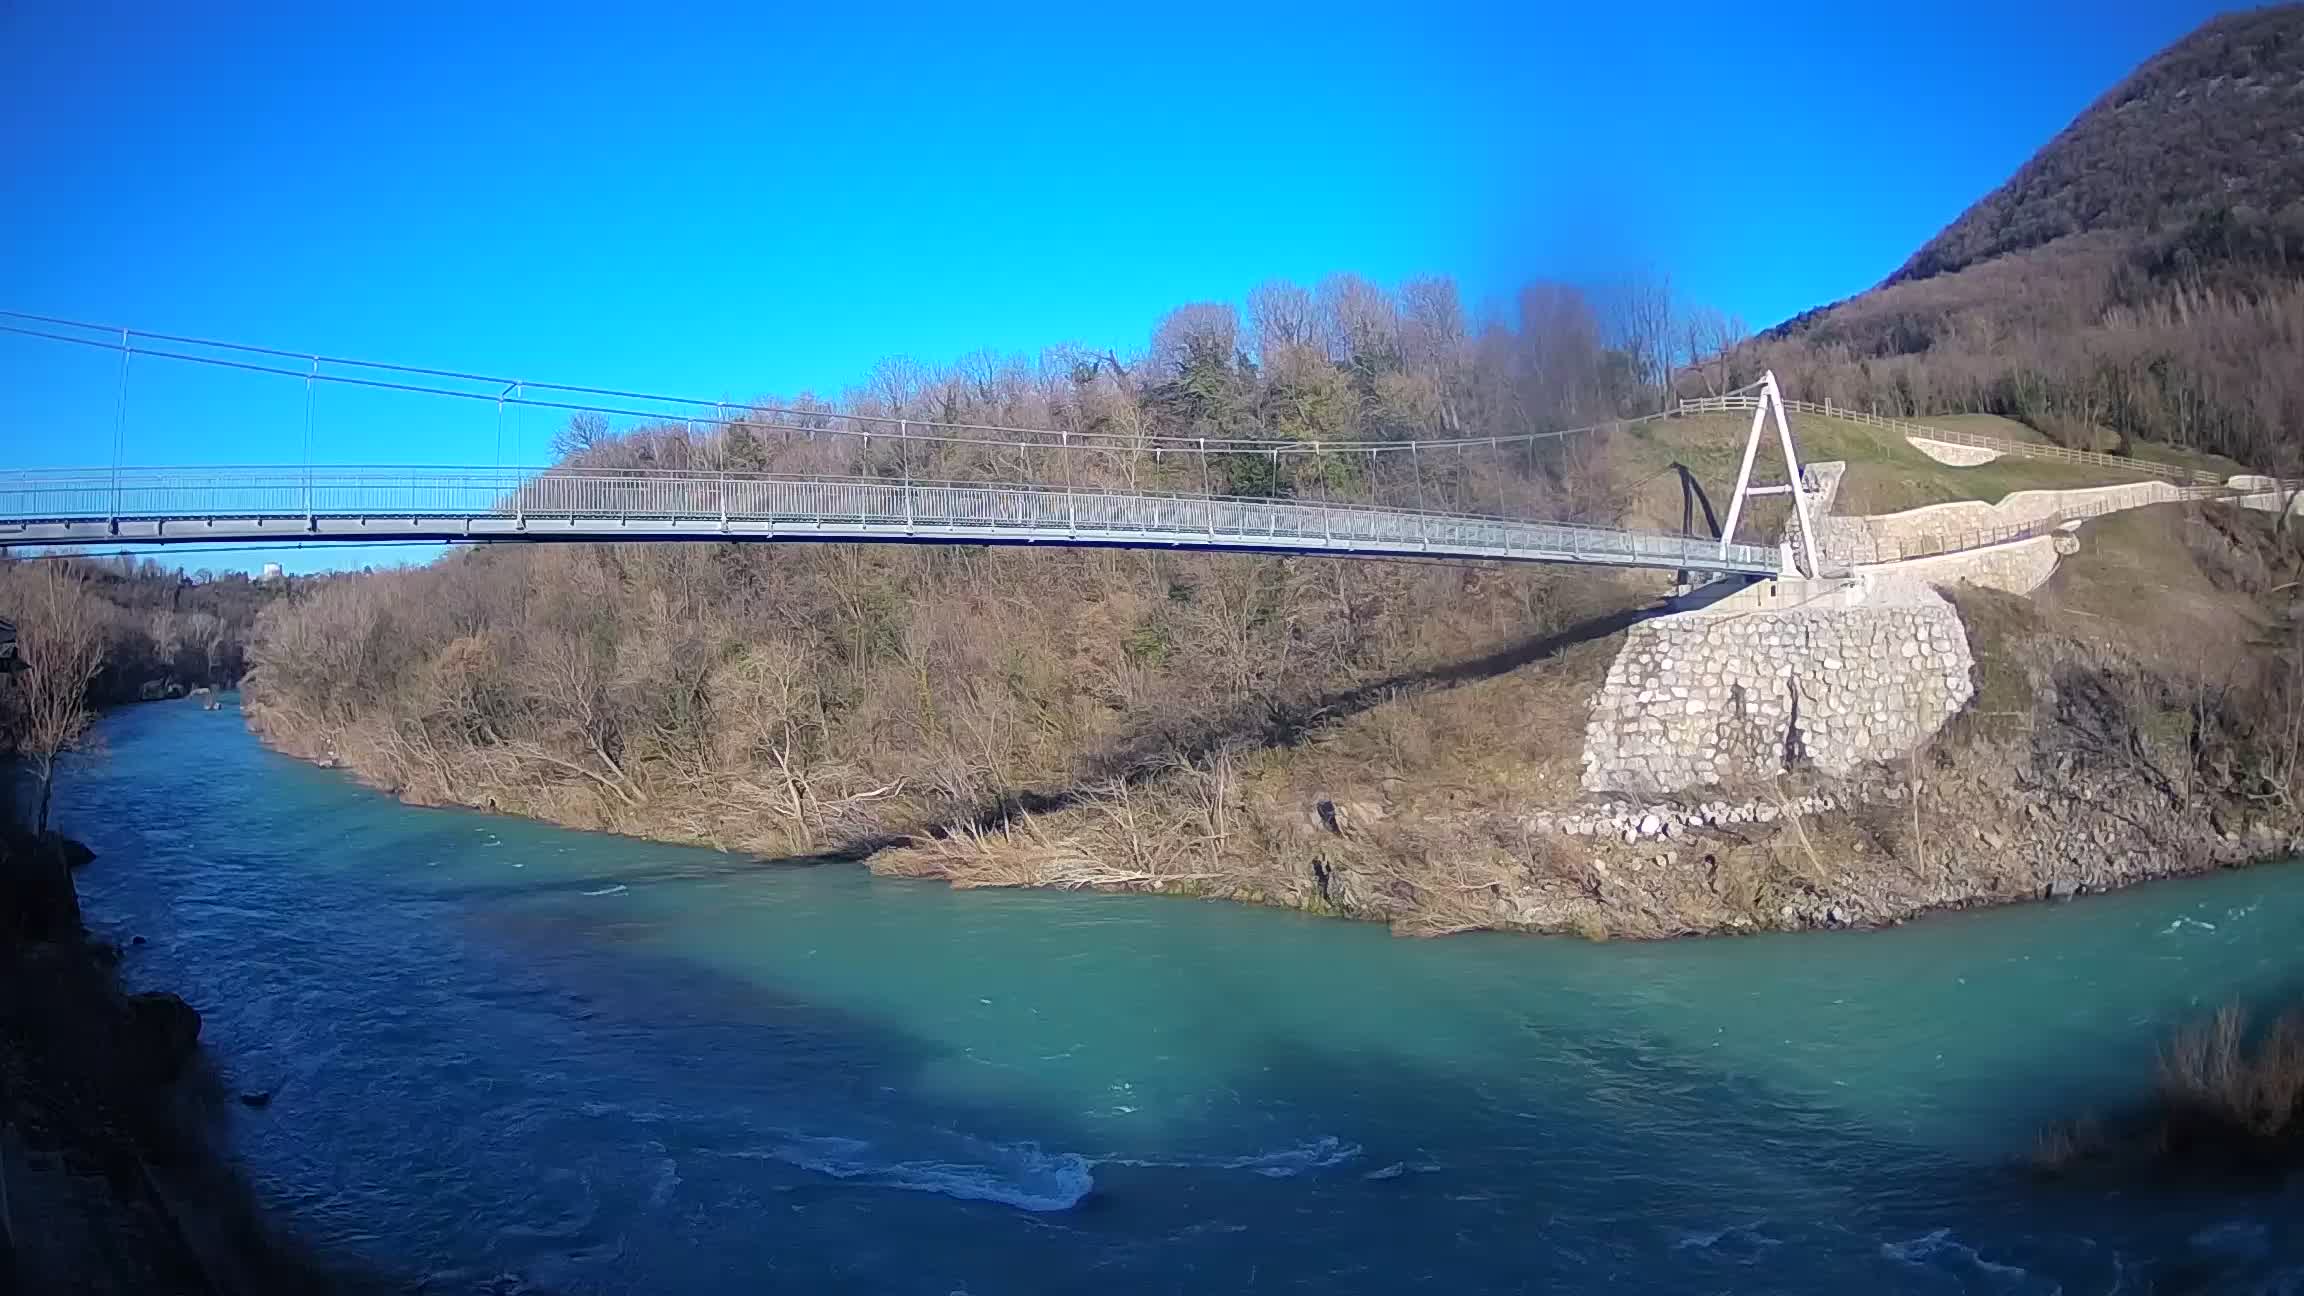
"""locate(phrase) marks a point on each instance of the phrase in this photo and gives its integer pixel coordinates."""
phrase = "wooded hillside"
(2214, 123)
(2141, 277)
(806, 697)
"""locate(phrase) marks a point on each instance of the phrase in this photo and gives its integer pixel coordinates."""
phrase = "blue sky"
(736, 200)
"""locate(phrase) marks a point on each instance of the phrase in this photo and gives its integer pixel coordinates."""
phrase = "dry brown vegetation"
(1403, 801)
(1353, 737)
(2165, 654)
(1358, 738)
(44, 705)
(802, 698)
(2226, 1098)
(160, 625)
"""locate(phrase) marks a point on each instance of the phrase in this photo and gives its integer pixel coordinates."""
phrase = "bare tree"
(1200, 334)
(1559, 353)
(586, 431)
(1710, 338)
(899, 385)
(60, 630)
(1283, 317)
(1431, 325)
(207, 634)
(1639, 322)
(1360, 324)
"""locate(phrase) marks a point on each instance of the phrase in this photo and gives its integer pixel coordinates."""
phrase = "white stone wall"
(1937, 523)
(1952, 452)
(2019, 567)
(2270, 501)
(1708, 697)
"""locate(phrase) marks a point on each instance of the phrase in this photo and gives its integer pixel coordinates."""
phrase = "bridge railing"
(609, 501)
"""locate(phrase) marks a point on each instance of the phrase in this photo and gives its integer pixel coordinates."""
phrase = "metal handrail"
(503, 479)
(88, 506)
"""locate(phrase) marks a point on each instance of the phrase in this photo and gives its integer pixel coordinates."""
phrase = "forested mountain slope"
(2214, 122)
(2142, 276)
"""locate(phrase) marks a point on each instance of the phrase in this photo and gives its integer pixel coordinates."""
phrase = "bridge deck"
(183, 505)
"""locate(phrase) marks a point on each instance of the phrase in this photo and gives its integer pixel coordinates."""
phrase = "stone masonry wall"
(1709, 697)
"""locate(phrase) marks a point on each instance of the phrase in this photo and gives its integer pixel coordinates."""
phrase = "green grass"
(1991, 425)
(2199, 460)
(2099, 438)
(1878, 487)
(2104, 439)
(1885, 474)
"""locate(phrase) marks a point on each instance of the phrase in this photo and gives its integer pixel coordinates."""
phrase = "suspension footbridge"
(903, 480)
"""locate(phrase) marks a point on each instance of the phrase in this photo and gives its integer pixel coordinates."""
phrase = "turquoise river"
(510, 1057)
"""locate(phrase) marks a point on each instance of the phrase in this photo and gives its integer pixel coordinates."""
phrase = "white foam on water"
(1940, 1251)
(2183, 921)
(1741, 1243)
(618, 889)
(2241, 1237)
(665, 1179)
(1322, 1153)
(1018, 1175)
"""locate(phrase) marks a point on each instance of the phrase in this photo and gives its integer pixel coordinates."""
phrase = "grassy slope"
(1991, 425)
(2175, 592)
(2104, 440)
(1885, 474)
(2196, 459)
(2139, 578)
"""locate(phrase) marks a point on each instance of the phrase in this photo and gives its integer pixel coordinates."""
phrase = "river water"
(512, 1057)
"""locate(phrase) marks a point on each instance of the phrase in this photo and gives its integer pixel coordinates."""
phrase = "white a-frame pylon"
(1772, 403)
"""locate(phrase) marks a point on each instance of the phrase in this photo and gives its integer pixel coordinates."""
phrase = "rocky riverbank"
(109, 1184)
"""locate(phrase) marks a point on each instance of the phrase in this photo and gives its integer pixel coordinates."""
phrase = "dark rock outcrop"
(37, 900)
(164, 1031)
(74, 854)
